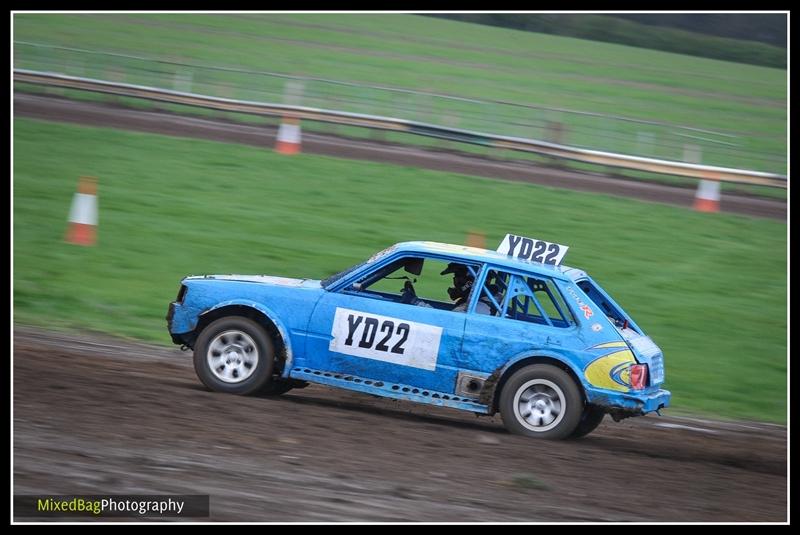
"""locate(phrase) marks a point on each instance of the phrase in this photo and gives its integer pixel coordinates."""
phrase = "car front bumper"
(179, 337)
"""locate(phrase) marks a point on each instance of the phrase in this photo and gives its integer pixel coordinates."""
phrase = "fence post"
(644, 143)
(293, 93)
(555, 132)
(182, 81)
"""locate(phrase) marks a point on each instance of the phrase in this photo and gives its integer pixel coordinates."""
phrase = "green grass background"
(448, 57)
(398, 138)
(709, 288)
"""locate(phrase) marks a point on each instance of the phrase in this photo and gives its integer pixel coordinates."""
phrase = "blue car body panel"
(337, 336)
(286, 302)
(441, 378)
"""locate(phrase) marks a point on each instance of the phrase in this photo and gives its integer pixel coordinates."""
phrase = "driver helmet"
(462, 280)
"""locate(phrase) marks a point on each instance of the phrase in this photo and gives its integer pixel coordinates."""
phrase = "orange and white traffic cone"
(289, 136)
(707, 197)
(83, 214)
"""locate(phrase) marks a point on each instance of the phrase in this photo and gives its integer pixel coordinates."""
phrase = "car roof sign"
(532, 250)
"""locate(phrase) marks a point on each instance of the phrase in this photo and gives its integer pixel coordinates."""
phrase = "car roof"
(476, 254)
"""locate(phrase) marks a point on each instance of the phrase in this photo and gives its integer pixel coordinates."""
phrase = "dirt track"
(59, 109)
(94, 414)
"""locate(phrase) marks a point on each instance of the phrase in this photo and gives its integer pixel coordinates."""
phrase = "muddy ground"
(95, 414)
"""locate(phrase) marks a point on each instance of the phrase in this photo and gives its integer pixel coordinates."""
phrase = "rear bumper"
(632, 404)
(655, 401)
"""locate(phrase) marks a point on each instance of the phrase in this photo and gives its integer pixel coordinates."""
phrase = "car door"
(527, 313)
(373, 335)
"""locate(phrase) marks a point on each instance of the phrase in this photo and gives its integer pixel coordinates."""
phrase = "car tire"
(541, 401)
(590, 419)
(235, 355)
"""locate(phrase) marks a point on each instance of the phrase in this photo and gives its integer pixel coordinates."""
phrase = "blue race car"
(484, 331)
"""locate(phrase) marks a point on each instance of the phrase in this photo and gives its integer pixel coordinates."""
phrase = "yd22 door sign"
(384, 338)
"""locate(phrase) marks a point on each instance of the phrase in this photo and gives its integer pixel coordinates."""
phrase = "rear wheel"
(590, 419)
(541, 401)
(234, 355)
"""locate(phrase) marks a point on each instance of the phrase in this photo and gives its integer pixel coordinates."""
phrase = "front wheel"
(234, 355)
(541, 401)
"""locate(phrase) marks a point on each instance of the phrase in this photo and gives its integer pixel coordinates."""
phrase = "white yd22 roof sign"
(532, 250)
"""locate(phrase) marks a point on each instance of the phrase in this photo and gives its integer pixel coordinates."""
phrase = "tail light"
(638, 376)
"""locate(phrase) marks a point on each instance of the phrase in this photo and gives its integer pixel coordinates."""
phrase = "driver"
(463, 282)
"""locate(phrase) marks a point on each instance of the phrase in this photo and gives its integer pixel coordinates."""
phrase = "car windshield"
(337, 276)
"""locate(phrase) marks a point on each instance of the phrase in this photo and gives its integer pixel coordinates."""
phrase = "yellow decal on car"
(611, 371)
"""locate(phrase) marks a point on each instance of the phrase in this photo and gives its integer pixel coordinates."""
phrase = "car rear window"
(614, 314)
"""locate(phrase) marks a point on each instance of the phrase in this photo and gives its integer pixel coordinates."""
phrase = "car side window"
(410, 280)
(526, 298)
(493, 293)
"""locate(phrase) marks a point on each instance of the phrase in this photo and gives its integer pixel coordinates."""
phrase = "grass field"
(395, 137)
(710, 289)
(455, 58)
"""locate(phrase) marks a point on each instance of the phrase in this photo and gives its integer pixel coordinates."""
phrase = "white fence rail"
(609, 159)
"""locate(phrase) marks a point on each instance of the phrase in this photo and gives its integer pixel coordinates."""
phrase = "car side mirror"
(414, 266)
(357, 286)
